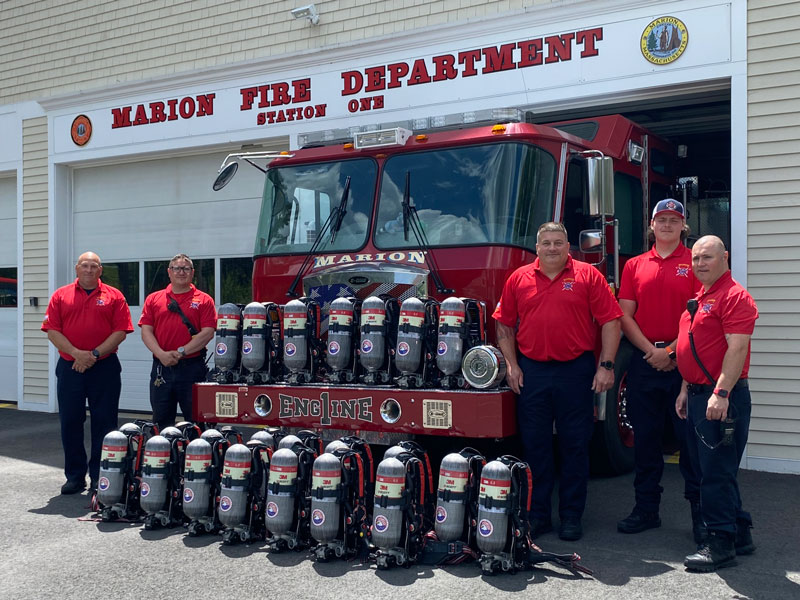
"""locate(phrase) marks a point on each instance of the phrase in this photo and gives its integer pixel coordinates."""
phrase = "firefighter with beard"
(177, 323)
(551, 309)
(714, 360)
(653, 293)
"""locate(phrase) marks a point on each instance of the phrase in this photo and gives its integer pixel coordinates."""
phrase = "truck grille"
(437, 414)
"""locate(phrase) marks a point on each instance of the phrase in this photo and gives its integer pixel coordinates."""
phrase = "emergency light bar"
(489, 116)
(383, 137)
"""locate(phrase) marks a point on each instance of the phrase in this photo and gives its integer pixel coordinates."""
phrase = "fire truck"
(433, 209)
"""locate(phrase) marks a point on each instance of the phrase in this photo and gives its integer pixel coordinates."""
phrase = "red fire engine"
(416, 211)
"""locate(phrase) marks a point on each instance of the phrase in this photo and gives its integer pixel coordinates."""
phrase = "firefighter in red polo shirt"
(653, 293)
(714, 360)
(551, 309)
(86, 321)
(177, 323)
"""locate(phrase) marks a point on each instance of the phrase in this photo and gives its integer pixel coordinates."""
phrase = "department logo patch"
(441, 349)
(290, 349)
(188, 495)
(567, 285)
(247, 347)
(485, 528)
(381, 523)
(194, 305)
(222, 348)
(225, 504)
(333, 348)
(101, 302)
(103, 483)
(145, 489)
(708, 305)
(441, 514)
(366, 346)
(81, 130)
(272, 510)
(402, 348)
(317, 517)
(682, 271)
(664, 40)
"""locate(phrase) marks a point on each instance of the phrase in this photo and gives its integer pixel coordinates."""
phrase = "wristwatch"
(607, 364)
(670, 352)
(96, 353)
(721, 393)
(182, 351)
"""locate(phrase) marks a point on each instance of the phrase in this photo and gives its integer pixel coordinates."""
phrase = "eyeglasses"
(181, 269)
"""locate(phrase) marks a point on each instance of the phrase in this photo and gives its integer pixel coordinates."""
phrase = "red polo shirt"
(660, 287)
(168, 327)
(558, 319)
(725, 308)
(87, 320)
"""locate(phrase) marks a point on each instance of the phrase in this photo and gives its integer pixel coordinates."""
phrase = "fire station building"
(115, 117)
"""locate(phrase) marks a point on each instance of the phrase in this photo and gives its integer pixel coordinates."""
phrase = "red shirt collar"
(99, 287)
(654, 254)
(191, 290)
(567, 267)
(724, 279)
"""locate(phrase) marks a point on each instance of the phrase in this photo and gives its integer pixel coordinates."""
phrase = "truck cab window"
(630, 212)
(298, 201)
(470, 195)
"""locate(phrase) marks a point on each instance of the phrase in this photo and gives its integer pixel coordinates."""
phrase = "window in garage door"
(125, 277)
(8, 287)
(236, 279)
(156, 278)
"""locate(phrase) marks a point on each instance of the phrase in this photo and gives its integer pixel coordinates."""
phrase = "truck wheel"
(611, 448)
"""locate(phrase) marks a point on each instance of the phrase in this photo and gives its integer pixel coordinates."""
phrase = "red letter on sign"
(353, 82)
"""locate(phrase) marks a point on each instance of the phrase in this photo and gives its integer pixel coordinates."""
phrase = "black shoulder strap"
(173, 306)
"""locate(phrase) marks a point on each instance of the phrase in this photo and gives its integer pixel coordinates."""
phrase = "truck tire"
(611, 448)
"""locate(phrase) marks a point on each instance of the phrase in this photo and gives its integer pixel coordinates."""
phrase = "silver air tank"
(326, 481)
(281, 491)
(254, 336)
(493, 507)
(335, 445)
(408, 351)
(235, 479)
(295, 343)
(373, 339)
(111, 482)
(387, 521)
(451, 497)
(226, 348)
(265, 437)
(153, 492)
(197, 479)
(289, 441)
(450, 343)
(340, 333)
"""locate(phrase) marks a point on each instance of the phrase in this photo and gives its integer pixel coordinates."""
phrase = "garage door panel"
(200, 229)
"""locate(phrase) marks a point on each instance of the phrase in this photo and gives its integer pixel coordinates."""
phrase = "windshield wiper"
(411, 220)
(336, 216)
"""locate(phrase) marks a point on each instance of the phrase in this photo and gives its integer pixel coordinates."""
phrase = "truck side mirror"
(600, 171)
(591, 240)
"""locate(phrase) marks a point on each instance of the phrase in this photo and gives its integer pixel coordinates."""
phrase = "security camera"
(308, 12)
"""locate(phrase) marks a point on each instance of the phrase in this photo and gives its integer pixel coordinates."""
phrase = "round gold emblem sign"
(81, 130)
(664, 40)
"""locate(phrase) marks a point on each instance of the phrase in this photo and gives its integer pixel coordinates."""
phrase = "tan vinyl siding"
(52, 48)
(34, 258)
(773, 189)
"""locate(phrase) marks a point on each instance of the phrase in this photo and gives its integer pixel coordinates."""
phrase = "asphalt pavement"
(48, 551)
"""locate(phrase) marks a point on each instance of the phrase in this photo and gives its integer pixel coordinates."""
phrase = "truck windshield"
(299, 199)
(489, 194)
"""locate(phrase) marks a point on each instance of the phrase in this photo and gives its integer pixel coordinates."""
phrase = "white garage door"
(8, 289)
(140, 214)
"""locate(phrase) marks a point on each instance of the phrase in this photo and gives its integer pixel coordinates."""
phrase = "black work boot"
(716, 552)
(698, 527)
(744, 539)
(639, 521)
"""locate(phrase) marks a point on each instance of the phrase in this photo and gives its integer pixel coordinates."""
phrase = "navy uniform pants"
(175, 390)
(651, 404)
(721, 503)
(100, 386)
(559, 392)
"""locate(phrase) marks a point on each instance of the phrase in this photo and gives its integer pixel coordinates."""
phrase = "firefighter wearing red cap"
(653, 293)
(551, 309)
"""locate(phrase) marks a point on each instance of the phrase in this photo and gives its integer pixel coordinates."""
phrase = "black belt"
(707, 388)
